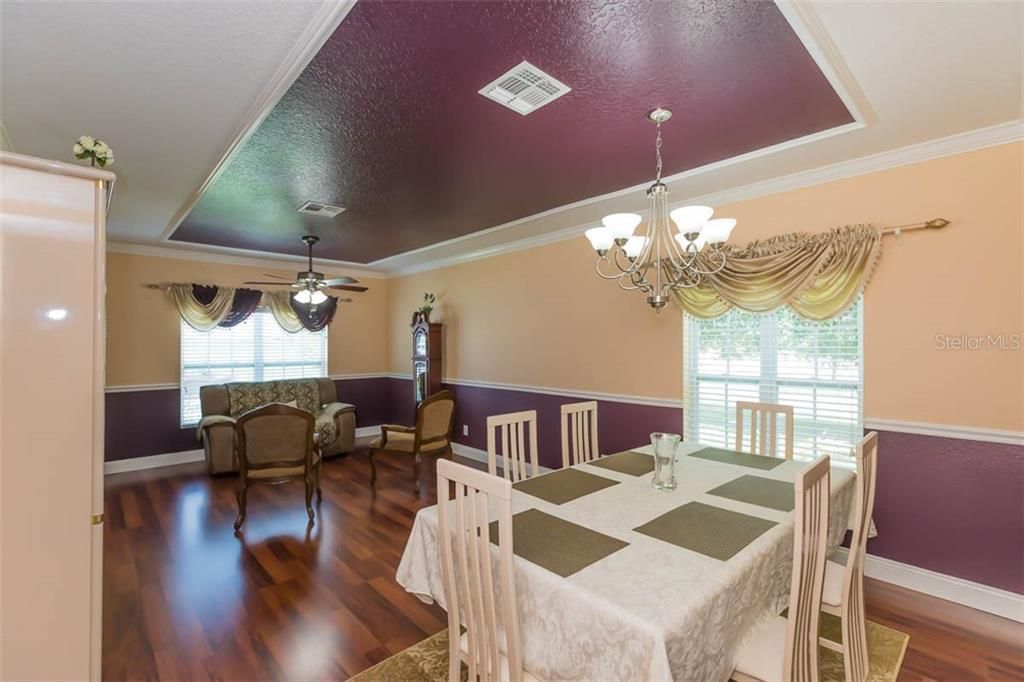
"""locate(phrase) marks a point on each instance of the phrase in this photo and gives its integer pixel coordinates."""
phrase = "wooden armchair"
(432, 434)
(276, 443)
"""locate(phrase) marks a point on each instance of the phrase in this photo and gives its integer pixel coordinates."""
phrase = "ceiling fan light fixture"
(303, 296)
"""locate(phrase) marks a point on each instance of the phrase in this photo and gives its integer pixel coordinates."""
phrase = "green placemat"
(564, 485)
(764, 492)
(743, 459)
(558, 545)
(711, 531)
(631, 463)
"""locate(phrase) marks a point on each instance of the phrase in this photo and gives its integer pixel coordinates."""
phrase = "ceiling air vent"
(316, 208)
(524, 88)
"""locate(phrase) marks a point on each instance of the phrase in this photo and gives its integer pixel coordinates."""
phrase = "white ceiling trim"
(812, 33)
(320, 28)
(1011, 131)
(228, 256)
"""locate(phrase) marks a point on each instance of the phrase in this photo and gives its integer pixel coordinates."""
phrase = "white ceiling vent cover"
(524, 88)
(316, 208)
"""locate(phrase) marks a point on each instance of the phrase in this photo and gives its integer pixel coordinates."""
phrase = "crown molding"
(322, 25)
(1002, 133)
(812, 33)
(230, 256)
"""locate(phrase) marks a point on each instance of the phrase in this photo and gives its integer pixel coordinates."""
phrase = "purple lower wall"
(620, 427)
(143, 423)
(953, 506)
(947, 505)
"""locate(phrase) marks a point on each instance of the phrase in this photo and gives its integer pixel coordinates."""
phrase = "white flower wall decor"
(97, 151)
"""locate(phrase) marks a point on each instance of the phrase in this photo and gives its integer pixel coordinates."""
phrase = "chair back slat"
(516, 433)
(854, 626)
(579, 433)
(467, 566)
(810, 542)
(764, 429)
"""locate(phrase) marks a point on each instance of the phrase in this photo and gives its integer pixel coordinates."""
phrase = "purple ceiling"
(386, 120)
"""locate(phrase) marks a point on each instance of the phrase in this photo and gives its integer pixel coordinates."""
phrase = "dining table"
(618, 580)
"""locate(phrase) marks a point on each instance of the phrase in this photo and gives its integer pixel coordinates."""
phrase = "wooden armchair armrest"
(396, 429)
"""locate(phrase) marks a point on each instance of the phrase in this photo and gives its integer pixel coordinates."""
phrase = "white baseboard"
(975, 595)
(367, 431)
(153, 461)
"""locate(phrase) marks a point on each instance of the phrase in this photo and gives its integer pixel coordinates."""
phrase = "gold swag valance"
(205, 307)
(817, 275)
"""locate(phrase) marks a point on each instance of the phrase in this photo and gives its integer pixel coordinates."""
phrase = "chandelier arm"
(628, 267)
(716, 269)
(597, 267)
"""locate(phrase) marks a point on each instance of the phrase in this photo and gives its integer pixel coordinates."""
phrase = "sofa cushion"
(244, 396)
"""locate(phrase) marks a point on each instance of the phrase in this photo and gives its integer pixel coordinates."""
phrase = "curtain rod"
(933, 224)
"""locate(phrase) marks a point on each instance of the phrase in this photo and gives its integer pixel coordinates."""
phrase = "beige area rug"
(427, 661)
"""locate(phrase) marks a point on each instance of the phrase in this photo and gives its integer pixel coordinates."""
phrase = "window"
(256, 350)
(777, 358)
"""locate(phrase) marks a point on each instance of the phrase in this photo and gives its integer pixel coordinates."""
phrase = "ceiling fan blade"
(347, 287)
(276, 284)
(268, 274)
(339, 280)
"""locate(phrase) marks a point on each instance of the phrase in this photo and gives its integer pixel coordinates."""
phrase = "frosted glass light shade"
(717, 231)
(683, 242)
(621, 225)
(691, 218)
(317, 297)
(634, 245)
(600, 238)
(302, 296)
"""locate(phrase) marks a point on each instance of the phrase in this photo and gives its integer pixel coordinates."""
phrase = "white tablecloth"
(650, 611)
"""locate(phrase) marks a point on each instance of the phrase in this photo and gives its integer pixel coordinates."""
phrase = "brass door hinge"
(97, 519)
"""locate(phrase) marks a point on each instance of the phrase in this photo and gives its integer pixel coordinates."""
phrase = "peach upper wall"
(143, 327)
(542, 317)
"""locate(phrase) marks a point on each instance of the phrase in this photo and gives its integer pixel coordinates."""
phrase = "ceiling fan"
(310, 284)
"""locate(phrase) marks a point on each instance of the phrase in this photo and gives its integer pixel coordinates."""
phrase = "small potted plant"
(98, 152)
(422, 313)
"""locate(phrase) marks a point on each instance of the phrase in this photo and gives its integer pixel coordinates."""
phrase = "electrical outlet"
(465, 429)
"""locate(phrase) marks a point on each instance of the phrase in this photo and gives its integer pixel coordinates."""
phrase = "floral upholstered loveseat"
(222, 404)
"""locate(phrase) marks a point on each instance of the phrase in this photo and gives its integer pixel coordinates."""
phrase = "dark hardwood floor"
(184, 598)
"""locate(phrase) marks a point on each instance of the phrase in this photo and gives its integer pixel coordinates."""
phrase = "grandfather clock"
(426, 359)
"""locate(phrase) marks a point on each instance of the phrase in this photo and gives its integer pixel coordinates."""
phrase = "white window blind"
(777, 358)
(256, 350)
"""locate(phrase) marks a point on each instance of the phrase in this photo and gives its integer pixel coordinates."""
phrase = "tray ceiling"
(386, 121)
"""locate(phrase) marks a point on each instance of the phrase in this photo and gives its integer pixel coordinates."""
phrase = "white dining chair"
(764, 429)
(579, 433)
(491, 645)
(843, 593)
(513, 437)
(786, 649)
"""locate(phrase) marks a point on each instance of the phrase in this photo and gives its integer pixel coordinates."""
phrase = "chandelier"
(661, 259)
